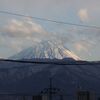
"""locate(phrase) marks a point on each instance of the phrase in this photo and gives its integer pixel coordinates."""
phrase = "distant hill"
(31, 77)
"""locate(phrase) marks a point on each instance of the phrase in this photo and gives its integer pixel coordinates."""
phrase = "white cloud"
(83, 45)
(83, 15)
(25, 28)
(16, 38)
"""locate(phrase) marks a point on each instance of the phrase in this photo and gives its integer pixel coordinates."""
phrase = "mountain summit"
(46, 50)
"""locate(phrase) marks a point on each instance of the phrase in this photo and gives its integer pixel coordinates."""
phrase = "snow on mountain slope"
(46, 49)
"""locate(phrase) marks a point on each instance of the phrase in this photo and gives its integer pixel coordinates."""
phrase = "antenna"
(50, 89)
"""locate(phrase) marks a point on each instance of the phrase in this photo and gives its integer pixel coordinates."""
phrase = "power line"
(50, 20)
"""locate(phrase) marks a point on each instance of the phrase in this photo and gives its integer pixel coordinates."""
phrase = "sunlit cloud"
(83, 45)
(83, 15)
(80, 47)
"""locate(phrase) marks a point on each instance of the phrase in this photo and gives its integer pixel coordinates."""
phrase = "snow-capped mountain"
(46, 49)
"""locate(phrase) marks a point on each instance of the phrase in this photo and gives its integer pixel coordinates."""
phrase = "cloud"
(80, 47)
(25, 28)
(83, 14)
(83, 45)
(31, 31)
(16, 45)
(1, 39)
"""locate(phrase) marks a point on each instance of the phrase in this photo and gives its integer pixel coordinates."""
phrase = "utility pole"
(50, 89)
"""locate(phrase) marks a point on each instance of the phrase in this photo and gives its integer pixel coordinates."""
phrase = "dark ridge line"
(59, 62)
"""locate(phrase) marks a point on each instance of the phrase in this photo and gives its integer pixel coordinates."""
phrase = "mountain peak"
(46, 49)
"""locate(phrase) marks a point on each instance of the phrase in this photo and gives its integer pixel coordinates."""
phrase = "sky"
(18, 33)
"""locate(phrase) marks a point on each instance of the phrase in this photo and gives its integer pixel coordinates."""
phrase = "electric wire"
(50, 20)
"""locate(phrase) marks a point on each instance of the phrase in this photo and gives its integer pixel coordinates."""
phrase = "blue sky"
(17, 33)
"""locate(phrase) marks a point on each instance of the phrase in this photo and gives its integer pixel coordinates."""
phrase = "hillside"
(32, 77)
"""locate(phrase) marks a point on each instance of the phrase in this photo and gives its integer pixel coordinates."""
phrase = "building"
(85, 95)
